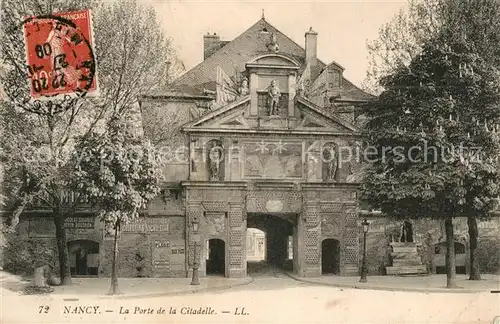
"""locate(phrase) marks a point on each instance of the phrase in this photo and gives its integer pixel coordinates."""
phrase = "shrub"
(488, 255)
(23, 257)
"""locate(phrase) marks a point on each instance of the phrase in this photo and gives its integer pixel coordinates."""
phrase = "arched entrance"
(83, 257)
(277, 229)
(216, 257)
(330, 256)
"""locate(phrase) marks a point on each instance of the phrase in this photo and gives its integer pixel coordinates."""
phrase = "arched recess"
(329, 158)
(330, 256)
(439, 258)
(83, 257)
(215, 160)
(216, 257)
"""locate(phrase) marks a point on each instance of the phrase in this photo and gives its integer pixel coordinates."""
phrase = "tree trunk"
(62, 247)
(113, 289)
(473, 236)
(450, 253)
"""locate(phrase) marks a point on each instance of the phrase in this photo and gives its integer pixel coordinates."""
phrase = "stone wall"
(149, 248)
(153, 246)
(428, 233)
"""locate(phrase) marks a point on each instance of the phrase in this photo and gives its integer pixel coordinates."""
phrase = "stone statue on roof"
(274, 97)
(244, 87)
(273, 45)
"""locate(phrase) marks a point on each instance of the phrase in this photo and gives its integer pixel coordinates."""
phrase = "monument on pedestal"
(404, 255)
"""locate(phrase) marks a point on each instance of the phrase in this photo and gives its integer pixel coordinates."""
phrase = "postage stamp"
(60, 58)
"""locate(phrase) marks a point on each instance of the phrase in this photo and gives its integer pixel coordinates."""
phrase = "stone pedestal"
(405, 260)
(39, 280)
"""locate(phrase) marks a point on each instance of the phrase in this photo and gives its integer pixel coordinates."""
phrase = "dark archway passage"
(84, 257)
(216, 257)
(330, 256)
(277, 230)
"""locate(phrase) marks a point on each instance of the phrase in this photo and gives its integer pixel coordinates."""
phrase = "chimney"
(211, 43)
(311, 47)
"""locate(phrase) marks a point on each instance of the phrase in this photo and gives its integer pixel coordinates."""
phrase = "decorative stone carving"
(274, 96)
(330, 224)
(217, 222)
(215, 160)
(244, 87)
(273, 45)
(330, 161)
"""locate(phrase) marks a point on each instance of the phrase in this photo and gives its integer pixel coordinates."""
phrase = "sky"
(343, 26)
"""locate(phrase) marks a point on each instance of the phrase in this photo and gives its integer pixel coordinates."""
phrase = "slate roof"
(234, 54)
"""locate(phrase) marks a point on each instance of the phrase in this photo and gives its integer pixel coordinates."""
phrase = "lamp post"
(365, 225)
(196, 238)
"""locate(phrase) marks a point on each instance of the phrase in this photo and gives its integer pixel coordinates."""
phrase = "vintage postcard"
(182, 161)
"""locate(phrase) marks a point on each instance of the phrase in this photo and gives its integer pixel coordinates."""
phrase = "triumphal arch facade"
(272, 160)
(271, 143)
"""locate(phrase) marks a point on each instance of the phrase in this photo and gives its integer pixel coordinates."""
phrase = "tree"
(434, 130)
(36, 138)
(131, 58)
(119, 173)
(402, 40)
(141, 59)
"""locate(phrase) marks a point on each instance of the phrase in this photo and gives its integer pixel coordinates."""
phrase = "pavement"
(128, 287)
(131, 288)
(427, 283)
(272, 297)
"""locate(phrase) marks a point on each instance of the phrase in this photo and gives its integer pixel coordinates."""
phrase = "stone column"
(296, 261)
(291, 94)
(237, 267)
(350, 251)
(309, 230)
(254, 110)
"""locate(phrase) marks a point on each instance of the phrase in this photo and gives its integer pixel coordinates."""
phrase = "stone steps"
(404, 255)
(404, 249)
(406, 269)
(406, 262)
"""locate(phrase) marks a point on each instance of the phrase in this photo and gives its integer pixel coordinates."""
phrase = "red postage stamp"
(60, 59)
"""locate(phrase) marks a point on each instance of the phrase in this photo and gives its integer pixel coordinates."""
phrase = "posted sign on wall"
(60, 59)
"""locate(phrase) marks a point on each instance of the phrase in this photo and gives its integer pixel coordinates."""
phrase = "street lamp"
(196, 279)
(365, 225)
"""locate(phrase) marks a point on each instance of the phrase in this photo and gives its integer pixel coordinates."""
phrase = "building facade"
(262, 124)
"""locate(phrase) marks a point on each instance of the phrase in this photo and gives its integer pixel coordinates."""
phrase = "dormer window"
(334, 78)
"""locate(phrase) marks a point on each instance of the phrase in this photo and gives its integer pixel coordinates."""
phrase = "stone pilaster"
(291, 94)
(237, 236)
(253, 94)
(309, 232)
(349, 264)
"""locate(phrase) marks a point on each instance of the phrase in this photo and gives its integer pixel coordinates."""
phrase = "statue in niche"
(215, 160)
(244, 87)
(406, 232)
(330, 160)
(273, 45)
(274, 98)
